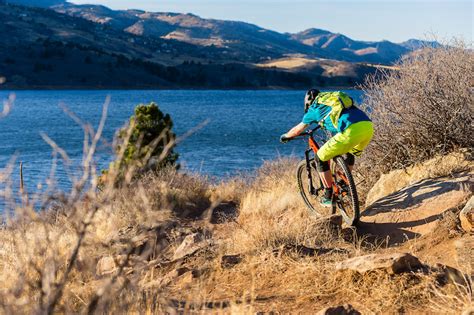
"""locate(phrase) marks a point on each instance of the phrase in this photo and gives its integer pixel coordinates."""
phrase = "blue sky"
(363, 20)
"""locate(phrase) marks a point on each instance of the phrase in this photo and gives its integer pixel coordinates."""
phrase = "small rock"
(229, 261)
(105, 266)
(345, 309)
(448, 274)
(191, 244)
(176, 273)
(467, 216)
(167, 278)
(391, 263)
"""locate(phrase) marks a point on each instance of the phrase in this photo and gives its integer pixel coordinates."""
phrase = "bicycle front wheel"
(346, 198)
(310, 198)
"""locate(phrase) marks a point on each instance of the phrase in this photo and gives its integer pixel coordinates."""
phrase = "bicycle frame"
(314, 147)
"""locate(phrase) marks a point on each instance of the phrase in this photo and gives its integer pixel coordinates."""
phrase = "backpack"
(337, 101)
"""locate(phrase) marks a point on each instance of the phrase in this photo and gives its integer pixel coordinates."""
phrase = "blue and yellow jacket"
(349, 116)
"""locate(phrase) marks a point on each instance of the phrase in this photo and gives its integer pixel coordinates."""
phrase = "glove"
(284, 138)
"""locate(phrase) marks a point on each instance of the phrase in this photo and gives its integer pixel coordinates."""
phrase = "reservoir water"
(242, 132)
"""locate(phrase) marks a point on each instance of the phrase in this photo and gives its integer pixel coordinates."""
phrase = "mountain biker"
(351, 136)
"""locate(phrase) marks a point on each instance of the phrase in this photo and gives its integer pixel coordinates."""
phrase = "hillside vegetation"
(46, 49)
(423, 109)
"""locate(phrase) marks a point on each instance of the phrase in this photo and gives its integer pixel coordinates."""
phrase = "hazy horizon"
(396, 21)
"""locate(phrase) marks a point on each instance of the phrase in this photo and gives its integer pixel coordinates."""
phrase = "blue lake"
(243, 129)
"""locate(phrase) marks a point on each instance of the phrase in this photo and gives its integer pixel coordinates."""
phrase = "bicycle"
(344, 195)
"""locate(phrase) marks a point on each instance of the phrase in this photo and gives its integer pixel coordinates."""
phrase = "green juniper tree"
(151, 142)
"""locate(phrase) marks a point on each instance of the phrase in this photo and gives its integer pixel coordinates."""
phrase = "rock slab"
(191, 244)
(467, 216)
(415, 210)
(391, 263)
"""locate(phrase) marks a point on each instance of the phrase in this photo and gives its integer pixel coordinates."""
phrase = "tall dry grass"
(52, 242)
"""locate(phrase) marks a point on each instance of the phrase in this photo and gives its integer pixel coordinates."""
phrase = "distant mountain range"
(176, 43)
(242, 40)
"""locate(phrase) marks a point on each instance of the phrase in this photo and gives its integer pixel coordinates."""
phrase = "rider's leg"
(350, 161)
(363, 132)
(352, 140)
(324, 172)
(326, 178)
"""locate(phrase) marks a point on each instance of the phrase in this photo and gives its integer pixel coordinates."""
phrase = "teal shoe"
(325, 202)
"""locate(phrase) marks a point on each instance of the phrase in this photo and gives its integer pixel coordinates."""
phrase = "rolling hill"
(53, 43)
(242, 40)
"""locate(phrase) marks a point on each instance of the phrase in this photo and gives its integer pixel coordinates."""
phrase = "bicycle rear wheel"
(311, 200)
(346, 198)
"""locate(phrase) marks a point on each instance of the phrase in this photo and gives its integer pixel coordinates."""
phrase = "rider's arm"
(296, 130)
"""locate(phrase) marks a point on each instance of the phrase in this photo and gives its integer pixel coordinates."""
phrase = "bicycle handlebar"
(306, 133)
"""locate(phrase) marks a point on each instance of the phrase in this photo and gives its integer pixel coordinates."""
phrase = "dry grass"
(288, 261)
(48, 258)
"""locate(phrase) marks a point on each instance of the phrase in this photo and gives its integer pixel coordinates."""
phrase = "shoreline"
(114, 88)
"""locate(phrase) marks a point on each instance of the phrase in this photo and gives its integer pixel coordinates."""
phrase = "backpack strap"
(342, 103)
(321, 122)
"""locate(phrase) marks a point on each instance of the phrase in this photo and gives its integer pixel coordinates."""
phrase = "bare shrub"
(421, 109)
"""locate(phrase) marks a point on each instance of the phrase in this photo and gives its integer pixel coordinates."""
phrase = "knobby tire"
(312, 202)
(350, 218)
(302, 177)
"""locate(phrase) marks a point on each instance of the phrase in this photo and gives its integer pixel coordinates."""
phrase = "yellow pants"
(352, 140)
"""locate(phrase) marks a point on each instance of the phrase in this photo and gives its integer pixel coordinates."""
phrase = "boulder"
(415, 210)
(345, 309)
(191, 244)
(391, 263)
(105, 266)
(467, 216)
(434, 168)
